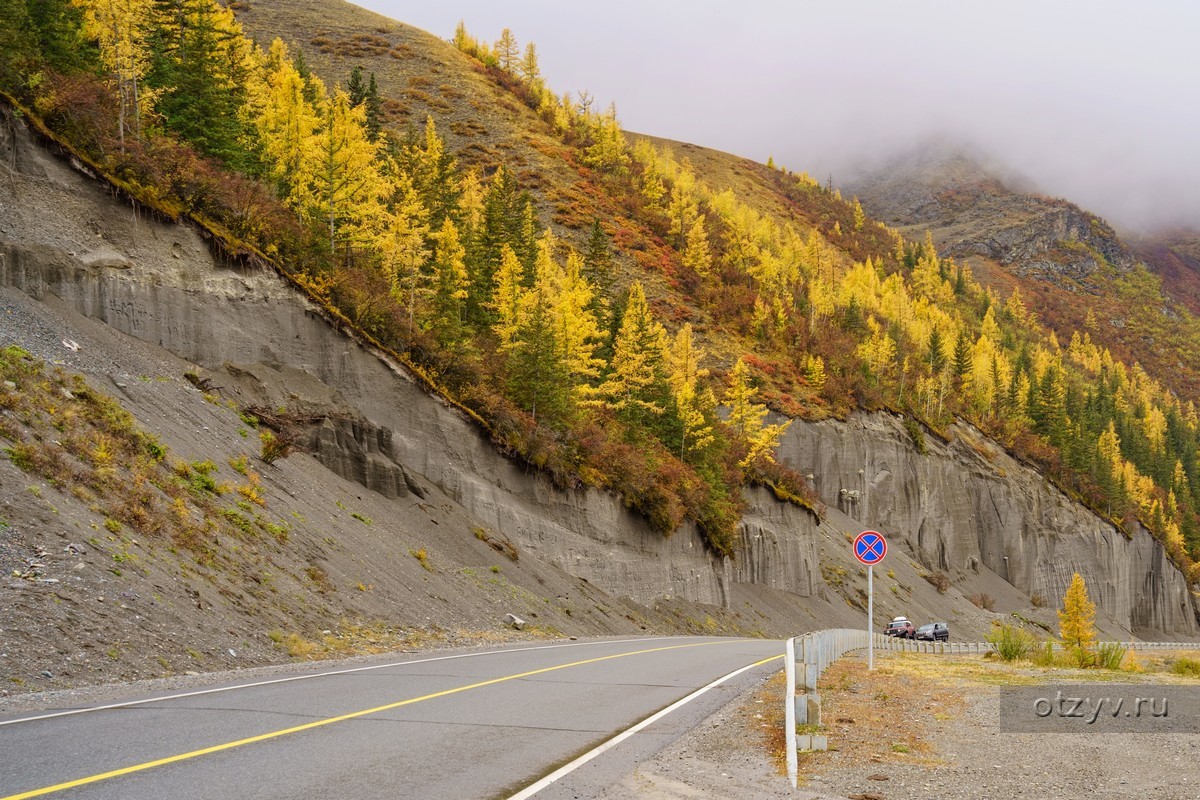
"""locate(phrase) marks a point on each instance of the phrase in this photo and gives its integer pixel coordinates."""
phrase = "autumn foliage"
(636, 350)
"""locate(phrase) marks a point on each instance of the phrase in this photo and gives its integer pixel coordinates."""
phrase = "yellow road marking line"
(262, 737)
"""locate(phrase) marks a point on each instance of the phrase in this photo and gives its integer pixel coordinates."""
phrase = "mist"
(1094, 102)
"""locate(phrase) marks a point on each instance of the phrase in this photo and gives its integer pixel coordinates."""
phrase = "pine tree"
(859, 216)
(537, 356)
(961, 361)
(937, 352)
(1077, 619)
(37, 33)
(356, 86)
(503, 203)
(374, 108)
(199, 66)
(537, 374)
(434, 172)
(364, 93)
(598, 260)
(18, 51)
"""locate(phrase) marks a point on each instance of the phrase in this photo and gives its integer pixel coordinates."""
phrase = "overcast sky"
(1095, 101)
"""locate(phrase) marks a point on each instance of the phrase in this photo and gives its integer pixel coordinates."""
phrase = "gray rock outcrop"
(968, 504)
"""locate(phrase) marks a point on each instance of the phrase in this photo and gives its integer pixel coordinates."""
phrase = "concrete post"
(789, 710)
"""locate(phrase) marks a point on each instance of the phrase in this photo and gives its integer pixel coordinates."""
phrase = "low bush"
(1011, 643)
(939, 580)
(1110, 656)
(982, 600)
(1189, 667)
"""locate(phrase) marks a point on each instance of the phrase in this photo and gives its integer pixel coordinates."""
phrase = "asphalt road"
(479, 724)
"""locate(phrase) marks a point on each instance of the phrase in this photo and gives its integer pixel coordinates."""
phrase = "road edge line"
(566, 769)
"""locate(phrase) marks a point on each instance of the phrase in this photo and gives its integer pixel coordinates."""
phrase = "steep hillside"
(517, 355)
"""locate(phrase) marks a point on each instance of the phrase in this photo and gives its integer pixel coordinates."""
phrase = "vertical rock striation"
(968, 503)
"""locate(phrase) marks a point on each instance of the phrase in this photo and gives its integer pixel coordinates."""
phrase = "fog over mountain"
(1093, 101)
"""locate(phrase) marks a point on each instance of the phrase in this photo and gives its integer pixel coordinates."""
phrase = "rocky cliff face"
(968, 505)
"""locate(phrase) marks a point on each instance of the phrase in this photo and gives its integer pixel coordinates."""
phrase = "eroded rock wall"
(968, 503)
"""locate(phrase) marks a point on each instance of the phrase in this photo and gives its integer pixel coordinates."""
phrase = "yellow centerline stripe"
(58, 787)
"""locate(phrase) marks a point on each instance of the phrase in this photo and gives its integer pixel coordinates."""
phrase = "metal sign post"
(870, 616)
(869, 548)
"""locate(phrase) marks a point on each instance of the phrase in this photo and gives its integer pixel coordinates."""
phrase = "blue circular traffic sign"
(870, 547)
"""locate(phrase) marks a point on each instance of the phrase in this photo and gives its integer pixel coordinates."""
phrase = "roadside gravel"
(909, 734)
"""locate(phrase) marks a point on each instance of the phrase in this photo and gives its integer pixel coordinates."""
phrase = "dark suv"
(934, 632)
(901, 628)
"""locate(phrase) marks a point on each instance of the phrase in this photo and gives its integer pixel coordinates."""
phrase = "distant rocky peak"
(975, 206)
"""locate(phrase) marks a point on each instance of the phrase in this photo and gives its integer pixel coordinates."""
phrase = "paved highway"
(508, 723)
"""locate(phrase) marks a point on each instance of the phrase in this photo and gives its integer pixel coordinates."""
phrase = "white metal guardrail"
(808, 656)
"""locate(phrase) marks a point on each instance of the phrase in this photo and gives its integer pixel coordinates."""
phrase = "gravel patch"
(909, 736)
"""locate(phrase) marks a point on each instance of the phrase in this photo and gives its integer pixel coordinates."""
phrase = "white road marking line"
(566, 769)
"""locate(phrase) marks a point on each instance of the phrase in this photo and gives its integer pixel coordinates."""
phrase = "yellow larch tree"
(683, 209)
(636, 384)
(344, 183)
(694, 407)
(450, 282)
(650, 184)
(1077, 619)
(121, 29)
(814, 372)
(696, 253)
(286, 121)
(746, 418)
(400, 243)
(578, 333)
(508, 52)
(506, 297)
